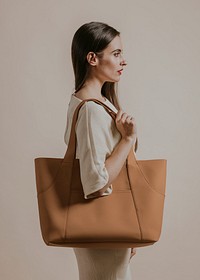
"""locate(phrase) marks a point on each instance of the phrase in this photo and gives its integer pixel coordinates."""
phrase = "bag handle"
(70, 153)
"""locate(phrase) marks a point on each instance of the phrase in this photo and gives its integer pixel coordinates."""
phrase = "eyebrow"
(117, 50)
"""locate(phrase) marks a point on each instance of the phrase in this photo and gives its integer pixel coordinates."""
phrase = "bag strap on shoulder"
(70, 153)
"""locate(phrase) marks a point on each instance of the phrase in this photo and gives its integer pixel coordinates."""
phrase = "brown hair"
(94, 37)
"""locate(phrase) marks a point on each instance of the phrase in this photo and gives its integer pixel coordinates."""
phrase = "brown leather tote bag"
(131, 216)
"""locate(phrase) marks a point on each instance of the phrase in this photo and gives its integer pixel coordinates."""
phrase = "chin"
(113, 80)
(117, 80)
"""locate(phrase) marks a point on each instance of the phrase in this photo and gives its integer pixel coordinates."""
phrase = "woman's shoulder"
(93, 107)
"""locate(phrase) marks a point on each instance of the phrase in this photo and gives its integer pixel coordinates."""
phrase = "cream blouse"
(96, 136)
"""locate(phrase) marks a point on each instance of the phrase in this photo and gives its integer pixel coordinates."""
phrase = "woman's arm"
(127, 127)
(116, 160)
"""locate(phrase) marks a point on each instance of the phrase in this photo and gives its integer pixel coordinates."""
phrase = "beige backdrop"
(160, 87)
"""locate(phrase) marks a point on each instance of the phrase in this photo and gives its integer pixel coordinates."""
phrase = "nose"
(123, 62)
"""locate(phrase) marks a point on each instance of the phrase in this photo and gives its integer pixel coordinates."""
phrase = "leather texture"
(131, 216)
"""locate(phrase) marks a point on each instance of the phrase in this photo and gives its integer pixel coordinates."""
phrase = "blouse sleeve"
(92, 132)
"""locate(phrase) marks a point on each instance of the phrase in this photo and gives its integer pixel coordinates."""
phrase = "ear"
(92, 58)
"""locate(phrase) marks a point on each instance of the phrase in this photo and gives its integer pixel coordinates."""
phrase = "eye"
(116, 54)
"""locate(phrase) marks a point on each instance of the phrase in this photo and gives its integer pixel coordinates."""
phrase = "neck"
(92, 89)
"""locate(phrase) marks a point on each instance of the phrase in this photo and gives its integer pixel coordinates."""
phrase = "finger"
(123, 117)
(132, 119)
(129, 119)
(119, 114)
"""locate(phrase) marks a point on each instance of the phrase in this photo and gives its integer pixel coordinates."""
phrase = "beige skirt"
(103, 264)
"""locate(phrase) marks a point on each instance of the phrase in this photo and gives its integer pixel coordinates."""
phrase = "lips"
(120, 71)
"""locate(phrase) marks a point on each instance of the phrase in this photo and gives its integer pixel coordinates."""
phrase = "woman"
(102, 143)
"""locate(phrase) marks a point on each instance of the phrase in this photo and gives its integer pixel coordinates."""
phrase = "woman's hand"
(126, 126)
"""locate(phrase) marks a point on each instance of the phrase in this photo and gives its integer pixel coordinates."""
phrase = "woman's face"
(108, 67)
